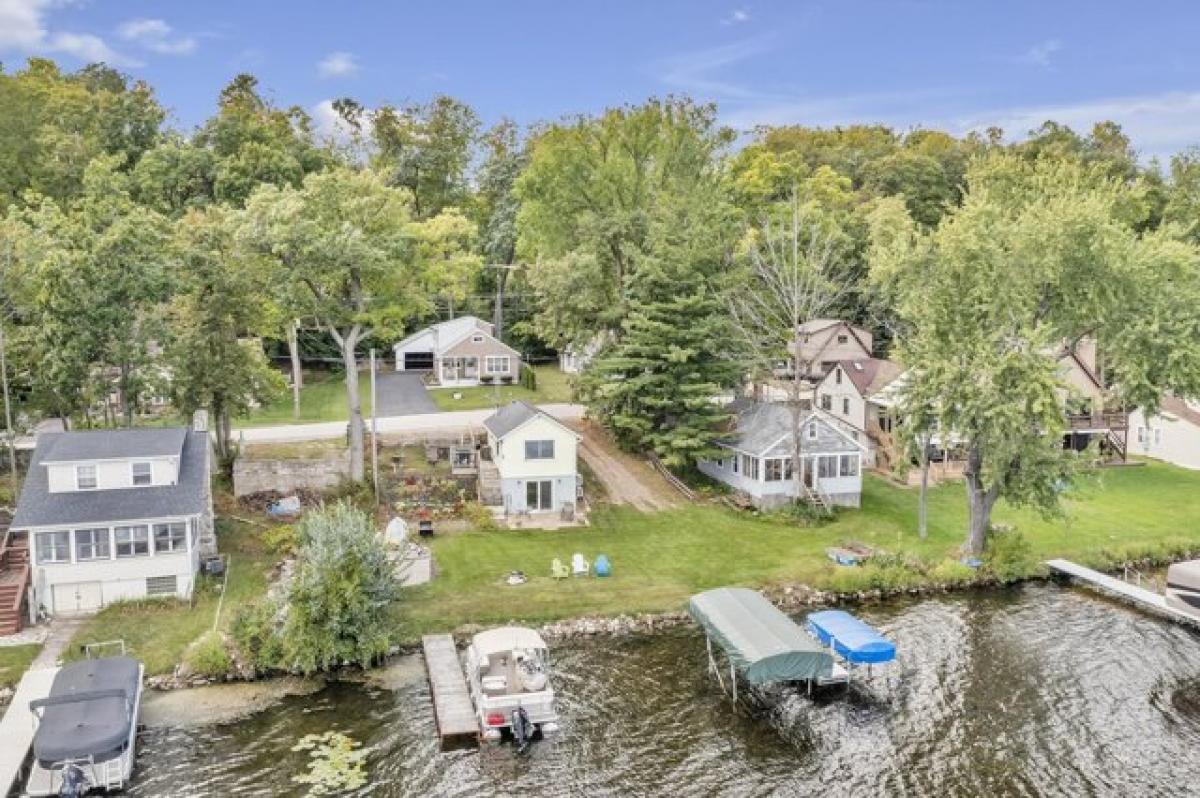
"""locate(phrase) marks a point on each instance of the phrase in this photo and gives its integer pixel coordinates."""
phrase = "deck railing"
(1090, 421)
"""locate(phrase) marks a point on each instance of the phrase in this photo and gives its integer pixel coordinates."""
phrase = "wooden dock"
(1139, 596)
(17, 726)
(453, 711)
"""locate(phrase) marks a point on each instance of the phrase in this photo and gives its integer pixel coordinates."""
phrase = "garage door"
(77, 597)
(418, 361)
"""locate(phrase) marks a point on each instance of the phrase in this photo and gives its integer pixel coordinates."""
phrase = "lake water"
(1041, 690)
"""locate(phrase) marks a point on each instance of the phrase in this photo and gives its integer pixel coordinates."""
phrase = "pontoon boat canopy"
(765, 644)
(89, 711)
(852, 639)
(506, 638)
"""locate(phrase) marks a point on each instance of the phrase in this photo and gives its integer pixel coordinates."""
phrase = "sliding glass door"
(539, 494)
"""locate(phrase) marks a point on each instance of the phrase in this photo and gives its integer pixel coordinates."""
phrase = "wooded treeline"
(139, 261)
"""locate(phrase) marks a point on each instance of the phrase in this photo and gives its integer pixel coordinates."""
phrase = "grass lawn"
(323, 398)
(552, 386)
(660, 559)
(157, 632)
(14, 661)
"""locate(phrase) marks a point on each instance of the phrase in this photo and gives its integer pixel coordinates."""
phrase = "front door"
(539, 494)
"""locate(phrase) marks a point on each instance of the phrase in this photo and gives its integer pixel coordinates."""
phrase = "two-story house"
(459, 353)
(825, 342)
(109, 515)
(852, 393)
(533, 459)
(1086, 402)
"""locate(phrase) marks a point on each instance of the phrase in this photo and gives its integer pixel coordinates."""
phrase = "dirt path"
(626, 479)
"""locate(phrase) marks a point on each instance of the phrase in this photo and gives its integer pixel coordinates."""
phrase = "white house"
(574, 358)
(1172, 435)
(759, 457)
(535, 459)
(115, 514)
(459, 353)
(852, 393)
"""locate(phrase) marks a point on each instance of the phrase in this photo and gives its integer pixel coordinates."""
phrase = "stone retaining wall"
(285, 476)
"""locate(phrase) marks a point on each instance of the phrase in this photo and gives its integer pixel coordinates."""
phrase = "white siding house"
(1173, 435)
(850, 394)
(115, 514)
(535, 456)
(459, 353)
(759, 457)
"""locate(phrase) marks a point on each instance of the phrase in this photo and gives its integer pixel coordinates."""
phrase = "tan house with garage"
(459, 353)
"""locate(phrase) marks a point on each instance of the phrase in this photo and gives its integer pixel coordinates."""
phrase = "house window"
(476, 339)
(843, 339)
(91, 544)
(810, 431)
(827, 466)
(778, 469)
(170, 537)
(85, 477)
(750, 466)
(132, 541)
(720, 464)
(734, 464)
(848, 465)
(837, 376)
(827, 403)
(53, 547)
(845, 405)
(143, 473)
(1157, 435)
(1142, 435)
(539, 450)
(496, 364)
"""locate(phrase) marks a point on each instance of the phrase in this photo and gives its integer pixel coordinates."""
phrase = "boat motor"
(522, 729)
(74, 782)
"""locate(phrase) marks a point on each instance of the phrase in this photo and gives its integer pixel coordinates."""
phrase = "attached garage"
(418, 361)
(77, 597)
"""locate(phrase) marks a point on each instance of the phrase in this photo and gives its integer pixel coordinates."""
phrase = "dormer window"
(85, 477)
(143, 474)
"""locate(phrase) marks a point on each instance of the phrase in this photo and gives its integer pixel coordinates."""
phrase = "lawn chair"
(602, 567)
(579, 566)
(558, 570)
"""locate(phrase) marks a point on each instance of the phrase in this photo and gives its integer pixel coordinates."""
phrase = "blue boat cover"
(852, 639)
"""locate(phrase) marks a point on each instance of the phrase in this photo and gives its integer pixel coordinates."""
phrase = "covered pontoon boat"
(759, 640)
(1183, 587)
(851, 639)
(508, 670)
(86, 728)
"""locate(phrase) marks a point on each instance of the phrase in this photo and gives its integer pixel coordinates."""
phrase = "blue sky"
(954, 65)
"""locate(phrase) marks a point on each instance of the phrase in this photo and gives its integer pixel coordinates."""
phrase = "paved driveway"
(402, 394)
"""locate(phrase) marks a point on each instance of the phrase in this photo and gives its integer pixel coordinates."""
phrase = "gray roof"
(112, 444)
(189, 496)
(759, 426)
(511, 416)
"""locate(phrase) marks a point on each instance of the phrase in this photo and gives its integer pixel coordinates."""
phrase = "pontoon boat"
(509, 673)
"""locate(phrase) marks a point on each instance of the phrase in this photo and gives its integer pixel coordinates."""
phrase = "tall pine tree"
(654, 387)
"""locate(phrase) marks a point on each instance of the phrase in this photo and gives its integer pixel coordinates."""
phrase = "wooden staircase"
(14, 582)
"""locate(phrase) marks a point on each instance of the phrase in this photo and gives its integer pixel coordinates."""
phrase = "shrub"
(1009, 557)
(952, 572)
(338, 600)
(256, 636)
(280, 539)
(207, 656)
(528, 377)
(479, 517)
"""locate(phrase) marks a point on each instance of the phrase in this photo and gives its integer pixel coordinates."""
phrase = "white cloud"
(1041, 53)
(736, 17)
(23, 28)
(328, 123)
(337, 65)
(694, 72)
(156, 35)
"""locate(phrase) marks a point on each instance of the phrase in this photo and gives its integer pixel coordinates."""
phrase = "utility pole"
(374, 431)
(9, 432)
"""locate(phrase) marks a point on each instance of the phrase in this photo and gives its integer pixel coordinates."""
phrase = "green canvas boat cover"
(762, 642)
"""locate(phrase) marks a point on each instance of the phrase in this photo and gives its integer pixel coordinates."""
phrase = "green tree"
(590, 196)
(339, 598)
(341, 246)
(217, 362)
(1039, 255)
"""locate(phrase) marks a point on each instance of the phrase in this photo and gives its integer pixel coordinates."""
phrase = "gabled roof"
(516, 414)
(448, 333)
(1185, 412)
(111, 444)
(870, 375)
(39, 507)
(760, 426)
